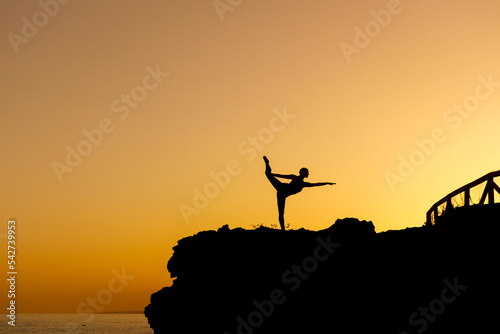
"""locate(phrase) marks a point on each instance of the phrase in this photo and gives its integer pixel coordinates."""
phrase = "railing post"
(491, 193)
(483, 196)
(467, 197)
(449, 206)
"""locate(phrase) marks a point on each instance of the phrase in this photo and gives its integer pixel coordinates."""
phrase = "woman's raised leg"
(274, 181)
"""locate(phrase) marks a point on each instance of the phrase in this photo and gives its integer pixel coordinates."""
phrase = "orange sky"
(395, 101)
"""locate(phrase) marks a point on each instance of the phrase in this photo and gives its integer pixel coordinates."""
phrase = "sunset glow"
(126, 126)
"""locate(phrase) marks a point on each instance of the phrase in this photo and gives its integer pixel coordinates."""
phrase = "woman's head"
(304, 172)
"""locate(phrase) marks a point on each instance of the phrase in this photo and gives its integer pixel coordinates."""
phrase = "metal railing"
(488, 193)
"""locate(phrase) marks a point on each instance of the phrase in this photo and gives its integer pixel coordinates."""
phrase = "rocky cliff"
(344, 279)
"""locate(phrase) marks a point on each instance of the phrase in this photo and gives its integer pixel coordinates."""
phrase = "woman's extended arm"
(307, 184)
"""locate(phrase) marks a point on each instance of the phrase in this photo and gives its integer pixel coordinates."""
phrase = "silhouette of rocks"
(344, 279)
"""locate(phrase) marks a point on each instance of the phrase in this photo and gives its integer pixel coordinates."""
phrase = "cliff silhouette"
(344, 279)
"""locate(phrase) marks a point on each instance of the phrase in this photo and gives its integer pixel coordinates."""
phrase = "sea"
(76, 324)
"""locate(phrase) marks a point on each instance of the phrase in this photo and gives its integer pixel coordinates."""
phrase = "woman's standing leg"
(281, 210)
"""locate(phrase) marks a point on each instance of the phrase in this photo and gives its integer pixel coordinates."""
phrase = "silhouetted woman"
(283, 190)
